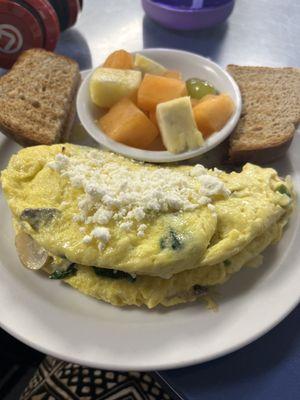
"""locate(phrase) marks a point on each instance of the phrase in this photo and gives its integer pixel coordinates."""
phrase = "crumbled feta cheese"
(87, 239)
(102, 217)
(137, 213)
(93, 190)
(198, 170)
(101, 233)
(59, 163)
(205, 200)
(211, 185)
(217, 171)
(113, 191)
(126, 226)
(62, 159)
(174, 202)
(141, 230)
(110, 201)
(85, 203)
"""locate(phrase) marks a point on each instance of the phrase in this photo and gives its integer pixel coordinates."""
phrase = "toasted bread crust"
(37, 98)
(69, 124)
(259, 156)
(270, 115)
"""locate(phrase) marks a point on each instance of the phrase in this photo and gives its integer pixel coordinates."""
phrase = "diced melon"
(109, 85)
(173, 74)
(195, 102)
(119, 59)
(177, 125)
(127, 124)
(152, 117)
(146, 65)
(212, 115)
(156, 89)
(157, 145)
(208, 97)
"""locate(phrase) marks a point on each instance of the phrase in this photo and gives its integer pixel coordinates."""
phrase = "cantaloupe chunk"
(195, 102)
(152, 117)
(211, 115)
(109, 85)
(119, 59)
(156, 89)
(127, 124)
(173, 74)
(157, 145)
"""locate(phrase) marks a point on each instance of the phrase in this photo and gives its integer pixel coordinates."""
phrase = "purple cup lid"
(191, 4)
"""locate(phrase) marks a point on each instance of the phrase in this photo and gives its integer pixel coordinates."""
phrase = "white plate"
(58, 320)
(191, 65)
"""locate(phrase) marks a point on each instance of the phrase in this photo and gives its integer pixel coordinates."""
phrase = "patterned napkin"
(60, 380)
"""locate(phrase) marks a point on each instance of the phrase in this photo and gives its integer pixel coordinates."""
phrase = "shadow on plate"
(7, 148)
(283, 166)
(207, 42)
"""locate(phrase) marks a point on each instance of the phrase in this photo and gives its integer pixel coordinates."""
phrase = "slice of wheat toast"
(270, 115)
(37, 98)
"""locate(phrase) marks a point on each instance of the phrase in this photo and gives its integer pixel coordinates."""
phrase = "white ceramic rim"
(159, 156)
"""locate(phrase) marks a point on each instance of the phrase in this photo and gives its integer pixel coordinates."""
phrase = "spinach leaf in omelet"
(113, 274)
(283, 190)
(172, 241)
(64, 274)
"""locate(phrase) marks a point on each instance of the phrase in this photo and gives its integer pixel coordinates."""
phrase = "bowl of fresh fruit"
(159, 105)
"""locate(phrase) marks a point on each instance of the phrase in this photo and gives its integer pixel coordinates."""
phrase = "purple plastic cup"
(184, 18)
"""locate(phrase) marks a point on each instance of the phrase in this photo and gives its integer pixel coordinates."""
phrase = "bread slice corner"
(37, 98)
(270, 115)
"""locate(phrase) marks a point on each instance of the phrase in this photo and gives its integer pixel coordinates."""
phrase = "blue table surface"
(259, 32)
(268, 369)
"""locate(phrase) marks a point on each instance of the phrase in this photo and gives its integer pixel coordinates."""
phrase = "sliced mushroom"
(37, 217)
(31, 254)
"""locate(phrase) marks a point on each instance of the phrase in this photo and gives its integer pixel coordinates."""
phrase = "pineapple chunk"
(146, 65)
(177, 125)
(109, 85)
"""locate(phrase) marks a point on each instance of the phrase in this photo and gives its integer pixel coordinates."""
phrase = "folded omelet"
(131, 233)
(72, 210)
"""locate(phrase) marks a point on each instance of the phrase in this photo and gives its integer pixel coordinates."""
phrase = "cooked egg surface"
(181, 288)
(253, 206)
(99, 209)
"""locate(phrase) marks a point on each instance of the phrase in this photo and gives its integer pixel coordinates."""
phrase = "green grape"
(197, 88)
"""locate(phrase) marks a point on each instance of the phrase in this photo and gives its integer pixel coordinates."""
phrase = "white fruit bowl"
(191, 65)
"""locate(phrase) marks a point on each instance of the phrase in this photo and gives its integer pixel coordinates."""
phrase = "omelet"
(255, 204)
(51, 208)
(183, 287)
(131, 233)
